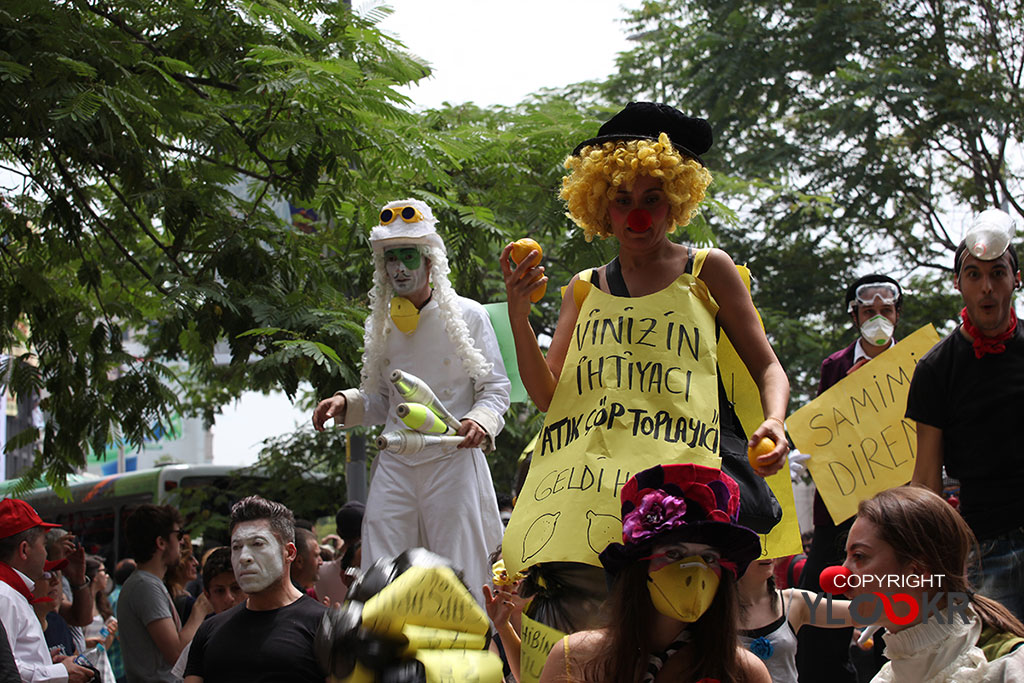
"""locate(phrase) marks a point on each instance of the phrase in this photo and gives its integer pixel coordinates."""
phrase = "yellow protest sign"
(860, 442)
(538, 639)
(740, 388)
(460, 666)
(425, 596)
(427, 638)
(638, 388)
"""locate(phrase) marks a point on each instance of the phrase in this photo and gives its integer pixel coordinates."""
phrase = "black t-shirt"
(273, 646)
(977, 403)
(58, 634)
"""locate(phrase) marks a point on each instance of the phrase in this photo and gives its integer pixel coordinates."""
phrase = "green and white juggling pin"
(422, 419)
(415, 390)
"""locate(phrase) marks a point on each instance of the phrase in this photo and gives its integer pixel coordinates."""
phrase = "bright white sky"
(483, 52)
(491, 53)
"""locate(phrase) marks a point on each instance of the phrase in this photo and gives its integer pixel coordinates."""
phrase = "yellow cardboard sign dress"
(638, 388)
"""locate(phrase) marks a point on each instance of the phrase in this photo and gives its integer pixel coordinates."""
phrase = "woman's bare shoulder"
(582, 647)
(587, 641)
(754, 670)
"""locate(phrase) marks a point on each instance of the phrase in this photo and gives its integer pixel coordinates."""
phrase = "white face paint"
(257, 557)
(405, 280)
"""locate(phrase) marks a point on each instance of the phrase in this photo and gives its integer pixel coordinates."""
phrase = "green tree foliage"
(149, 143)
(144, 258)
(872, 127)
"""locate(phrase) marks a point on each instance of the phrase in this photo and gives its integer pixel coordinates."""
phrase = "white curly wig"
(423, 235)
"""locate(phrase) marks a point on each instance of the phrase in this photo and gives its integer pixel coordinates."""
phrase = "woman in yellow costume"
(629, 372)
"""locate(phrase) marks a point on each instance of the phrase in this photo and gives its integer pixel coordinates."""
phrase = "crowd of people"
(677, 589)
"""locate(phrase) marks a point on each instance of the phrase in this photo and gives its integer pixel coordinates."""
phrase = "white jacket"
(429, 354)
(935, 652)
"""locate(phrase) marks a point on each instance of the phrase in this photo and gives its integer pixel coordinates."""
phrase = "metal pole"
(355, 467)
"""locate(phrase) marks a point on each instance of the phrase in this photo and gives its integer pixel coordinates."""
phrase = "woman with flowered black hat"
(672, 610)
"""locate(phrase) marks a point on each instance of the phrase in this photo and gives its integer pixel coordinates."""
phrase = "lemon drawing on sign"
(602, 530)
(539, 533)
(404, 314)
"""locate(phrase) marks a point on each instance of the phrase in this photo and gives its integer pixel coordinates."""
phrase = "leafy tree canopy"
(146, 265)
(869, 130)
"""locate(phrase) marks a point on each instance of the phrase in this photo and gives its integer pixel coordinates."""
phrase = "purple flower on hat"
(657, 512)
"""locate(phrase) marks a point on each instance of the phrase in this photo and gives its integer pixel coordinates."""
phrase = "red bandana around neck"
(983, 344)
(14, 580)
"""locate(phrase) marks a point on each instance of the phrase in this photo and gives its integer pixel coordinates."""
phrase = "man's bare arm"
(928, 468)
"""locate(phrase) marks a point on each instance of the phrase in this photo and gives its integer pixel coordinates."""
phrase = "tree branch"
(138, 220)
(84, 204)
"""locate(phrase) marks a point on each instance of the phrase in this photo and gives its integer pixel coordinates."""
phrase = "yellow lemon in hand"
(520, 250)
(763, 447)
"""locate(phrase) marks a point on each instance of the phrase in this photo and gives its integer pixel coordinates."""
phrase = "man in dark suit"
(874, 303)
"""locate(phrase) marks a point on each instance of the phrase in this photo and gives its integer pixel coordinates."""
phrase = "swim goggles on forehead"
(875, 293)
(409, 214)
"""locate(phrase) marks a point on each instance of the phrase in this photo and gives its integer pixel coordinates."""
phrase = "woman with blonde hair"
(636, 336)
(912, 534)
(639, 180)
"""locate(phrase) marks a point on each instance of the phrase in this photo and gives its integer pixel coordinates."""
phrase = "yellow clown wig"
(599, 170)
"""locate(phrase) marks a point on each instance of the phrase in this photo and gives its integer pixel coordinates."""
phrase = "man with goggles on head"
(967, 397)
(442, 497)
(873, 303)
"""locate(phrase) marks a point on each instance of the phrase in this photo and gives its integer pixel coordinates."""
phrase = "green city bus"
(97, 506)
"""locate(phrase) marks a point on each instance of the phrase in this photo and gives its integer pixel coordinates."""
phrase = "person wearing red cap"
(22, 563)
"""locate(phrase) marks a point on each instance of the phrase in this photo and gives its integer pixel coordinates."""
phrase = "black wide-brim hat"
(681, 503)
(690, 136)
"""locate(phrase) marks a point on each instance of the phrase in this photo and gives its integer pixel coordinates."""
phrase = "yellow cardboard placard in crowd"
(740, 388)
(460, 666)
(428, 638)
(538, 639)
(859, 441)
(638, 388)
(425, 596)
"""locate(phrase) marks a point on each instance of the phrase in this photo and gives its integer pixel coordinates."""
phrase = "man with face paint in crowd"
(268, 637)
(967, 395)
(873, 303)
(441, 498)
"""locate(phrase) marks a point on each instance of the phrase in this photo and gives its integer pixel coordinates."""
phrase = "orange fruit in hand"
(520, 250)
(763, 447)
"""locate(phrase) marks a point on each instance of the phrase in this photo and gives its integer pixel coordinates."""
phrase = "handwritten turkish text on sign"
(638, 388)
(538, 639)
(860, 442)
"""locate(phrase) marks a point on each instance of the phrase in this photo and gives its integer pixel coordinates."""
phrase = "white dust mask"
(877, 331)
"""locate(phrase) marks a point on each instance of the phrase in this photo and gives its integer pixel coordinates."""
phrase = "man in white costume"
(442, 497)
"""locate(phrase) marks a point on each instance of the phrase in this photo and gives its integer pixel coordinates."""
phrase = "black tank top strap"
(616, 283)
(690, 251)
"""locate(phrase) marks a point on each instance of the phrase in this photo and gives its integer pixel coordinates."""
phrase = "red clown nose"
(830, 582)
(639, 220)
